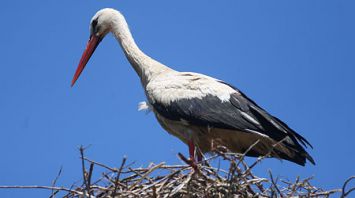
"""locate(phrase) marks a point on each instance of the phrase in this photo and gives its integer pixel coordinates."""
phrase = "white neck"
(145, 66)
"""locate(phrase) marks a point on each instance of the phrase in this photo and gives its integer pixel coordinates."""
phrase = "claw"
(190, 162)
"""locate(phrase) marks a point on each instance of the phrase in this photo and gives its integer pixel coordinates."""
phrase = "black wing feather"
(207, 111)
(279, 124)
(212, 112)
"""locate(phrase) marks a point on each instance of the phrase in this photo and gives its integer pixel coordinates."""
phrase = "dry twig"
(184, 181)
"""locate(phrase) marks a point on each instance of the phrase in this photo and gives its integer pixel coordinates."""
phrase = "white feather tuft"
(144, 106)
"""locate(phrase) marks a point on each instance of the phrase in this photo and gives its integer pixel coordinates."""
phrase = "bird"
(203, 112)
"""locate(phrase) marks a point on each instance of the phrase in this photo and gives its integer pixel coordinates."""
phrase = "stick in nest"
(178, 180)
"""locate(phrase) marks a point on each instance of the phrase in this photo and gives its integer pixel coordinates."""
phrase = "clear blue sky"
(294, 58)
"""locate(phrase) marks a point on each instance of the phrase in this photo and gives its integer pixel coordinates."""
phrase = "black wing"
(239, 113)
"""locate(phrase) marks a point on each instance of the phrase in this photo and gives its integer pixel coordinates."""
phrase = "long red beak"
(90, 48)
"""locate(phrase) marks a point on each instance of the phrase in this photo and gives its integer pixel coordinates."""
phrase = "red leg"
(191, 150)
(192, 160)
(194, 151)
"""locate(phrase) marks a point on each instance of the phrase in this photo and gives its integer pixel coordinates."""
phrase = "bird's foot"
(190, 161)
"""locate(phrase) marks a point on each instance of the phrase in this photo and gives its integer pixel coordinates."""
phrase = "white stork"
(201, 111)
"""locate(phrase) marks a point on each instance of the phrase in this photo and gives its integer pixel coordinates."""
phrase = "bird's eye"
(95, 27)
(94, 23)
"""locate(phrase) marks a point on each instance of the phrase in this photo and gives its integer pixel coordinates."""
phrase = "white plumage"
(144, 106)
(172, 86)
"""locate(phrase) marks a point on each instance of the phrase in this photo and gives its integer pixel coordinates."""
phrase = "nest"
(203, 180)
(180, 181)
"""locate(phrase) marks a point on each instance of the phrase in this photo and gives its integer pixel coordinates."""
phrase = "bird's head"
(101, 24)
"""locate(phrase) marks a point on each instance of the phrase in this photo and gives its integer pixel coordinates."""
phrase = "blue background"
(294, 58)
